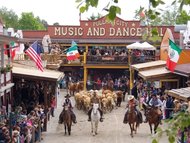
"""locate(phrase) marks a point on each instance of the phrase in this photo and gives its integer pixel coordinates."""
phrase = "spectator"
(53, 104)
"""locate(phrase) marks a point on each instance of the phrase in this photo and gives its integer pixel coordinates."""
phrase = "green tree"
(9, 18)
(183, 17)
(29, 22)
(45, 23)
(169, 16)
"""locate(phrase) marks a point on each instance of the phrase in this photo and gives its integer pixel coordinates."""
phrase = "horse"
(119, 98)
(72, 88)
(79, 86)
(95, 118)
(132, 119)
(153, 118)
(66, 119)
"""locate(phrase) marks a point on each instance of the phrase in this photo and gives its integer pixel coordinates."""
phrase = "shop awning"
(183, 69)
(182, 93)
(156, 73)
(49, 75)
(149, 65)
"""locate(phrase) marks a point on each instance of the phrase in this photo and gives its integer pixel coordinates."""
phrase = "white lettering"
(112, 32)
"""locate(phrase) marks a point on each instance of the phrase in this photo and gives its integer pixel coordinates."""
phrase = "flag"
(14, 48)
(34, 53)
(10, 52)
(173, 55)
(72, 52)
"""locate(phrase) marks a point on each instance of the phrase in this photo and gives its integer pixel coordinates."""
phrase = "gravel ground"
(112, 130)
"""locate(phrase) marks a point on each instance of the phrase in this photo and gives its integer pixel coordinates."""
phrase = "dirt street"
(112, 130)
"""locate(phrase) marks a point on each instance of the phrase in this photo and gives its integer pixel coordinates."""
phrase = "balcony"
(114, 60)
(107, 60)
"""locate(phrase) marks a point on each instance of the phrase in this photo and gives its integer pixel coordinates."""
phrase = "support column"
(2, 55)
(131, 78)
(85, 77)
(131, 70)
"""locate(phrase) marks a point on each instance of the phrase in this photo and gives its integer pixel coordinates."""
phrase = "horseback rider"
(95, 99)
(156, 102)
(68, 102)
(134, 102)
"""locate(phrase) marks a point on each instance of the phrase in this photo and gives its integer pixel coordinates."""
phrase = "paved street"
(112, 130)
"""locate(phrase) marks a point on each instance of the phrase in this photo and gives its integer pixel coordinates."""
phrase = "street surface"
(112, 130)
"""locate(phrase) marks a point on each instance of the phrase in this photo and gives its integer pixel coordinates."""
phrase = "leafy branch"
(175, 126)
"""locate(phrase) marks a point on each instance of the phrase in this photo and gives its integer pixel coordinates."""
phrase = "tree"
(9, 18)
(183, 17)
(56, 24)
(29, 22)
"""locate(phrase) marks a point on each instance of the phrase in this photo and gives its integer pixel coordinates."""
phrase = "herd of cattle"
(107, 99)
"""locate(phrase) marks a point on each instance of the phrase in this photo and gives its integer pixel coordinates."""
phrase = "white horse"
(95, 118)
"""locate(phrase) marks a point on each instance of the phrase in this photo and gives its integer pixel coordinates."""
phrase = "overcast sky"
(65, 12)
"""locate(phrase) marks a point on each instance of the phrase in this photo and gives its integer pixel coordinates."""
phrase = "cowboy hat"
(67, 96)
(130, 97)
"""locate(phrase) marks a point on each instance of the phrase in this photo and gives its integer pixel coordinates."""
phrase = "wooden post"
(39, 130)
(84, 58)
(131, 70)
(131, 78)
(2, 55)
(46, 106)
(33, 134)
(85, 77)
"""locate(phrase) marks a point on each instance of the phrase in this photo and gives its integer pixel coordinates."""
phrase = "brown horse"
(65, 117)
(153, 117)
(79, 86)
(75, 87)
(132, 119)
(72, 88)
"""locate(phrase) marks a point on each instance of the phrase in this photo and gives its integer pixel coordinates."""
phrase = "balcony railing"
(119, 60)
(93, 59)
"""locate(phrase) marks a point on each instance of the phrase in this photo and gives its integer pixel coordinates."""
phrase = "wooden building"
(99, 34)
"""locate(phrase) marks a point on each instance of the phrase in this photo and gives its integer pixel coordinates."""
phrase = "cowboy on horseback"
(95, 99)
(132, 102)
(156, 102)
(68, 102)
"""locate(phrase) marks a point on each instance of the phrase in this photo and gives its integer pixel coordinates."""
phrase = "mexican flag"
(72, 52)
(173, 55)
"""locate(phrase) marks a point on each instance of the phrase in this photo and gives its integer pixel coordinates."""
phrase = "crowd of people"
(28, 117)
(20, 127)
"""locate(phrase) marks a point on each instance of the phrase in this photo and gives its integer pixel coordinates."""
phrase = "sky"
(65, 12)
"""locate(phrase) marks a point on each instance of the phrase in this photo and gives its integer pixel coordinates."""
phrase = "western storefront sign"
(100, 28)
(98, 31)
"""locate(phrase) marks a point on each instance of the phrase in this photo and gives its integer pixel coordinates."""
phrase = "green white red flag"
(72, 52)
(173, 56)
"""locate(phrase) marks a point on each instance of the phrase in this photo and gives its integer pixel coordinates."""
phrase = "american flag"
(34, 53)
